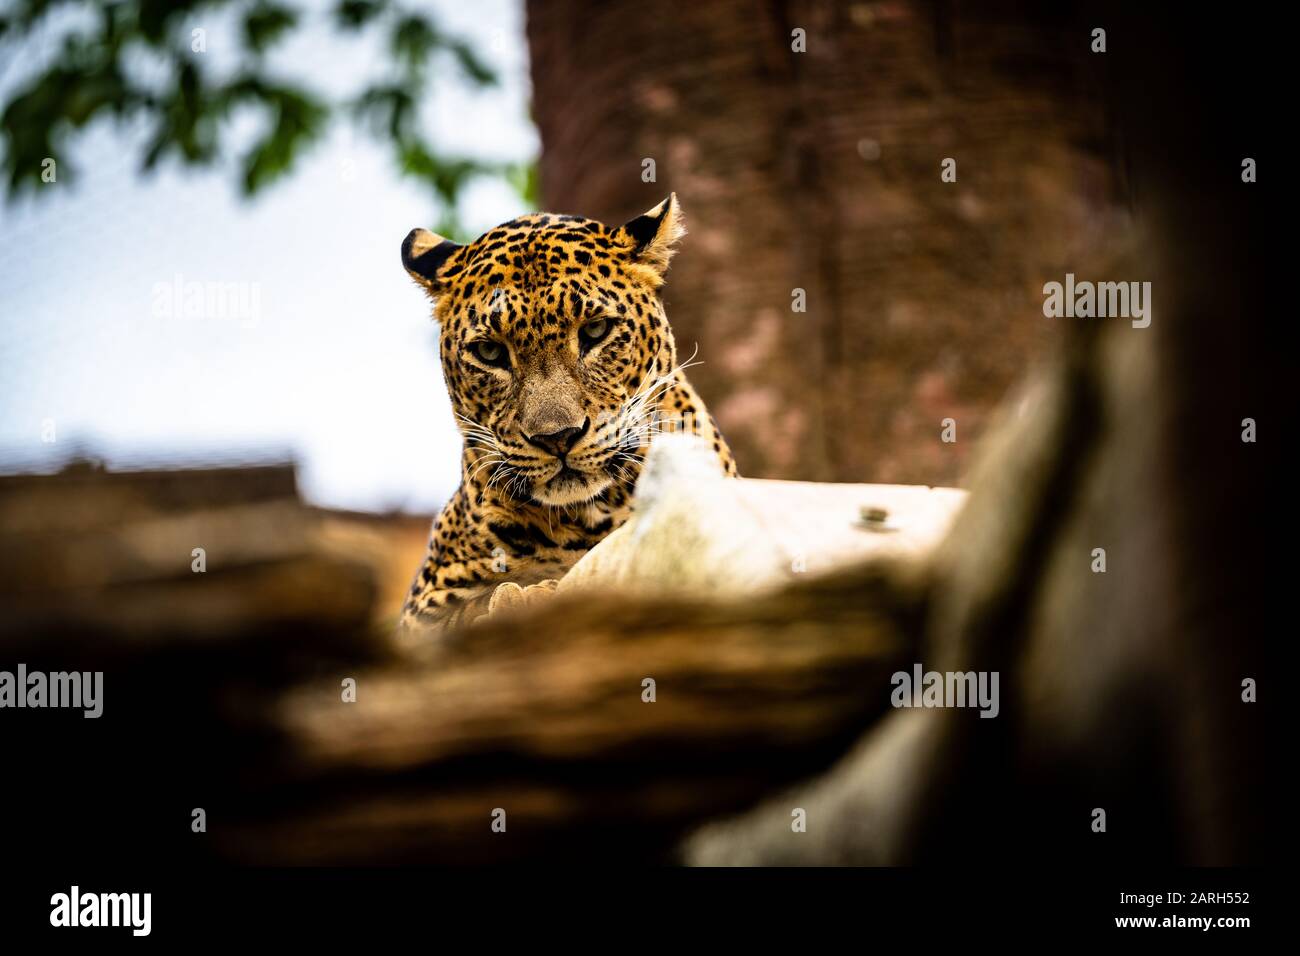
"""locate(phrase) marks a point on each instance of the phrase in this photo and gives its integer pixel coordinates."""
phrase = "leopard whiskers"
(637, 420)
(472, 431)
(487, 461)
(485, 449)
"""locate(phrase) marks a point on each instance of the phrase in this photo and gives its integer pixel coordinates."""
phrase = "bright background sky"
(339, 368)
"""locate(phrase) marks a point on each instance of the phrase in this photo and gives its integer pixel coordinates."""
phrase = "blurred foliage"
(90, 76)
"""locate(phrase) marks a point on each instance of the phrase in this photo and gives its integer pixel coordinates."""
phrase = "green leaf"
(266, 24)
(296, 120)
(471, 65)
(389, 109)
(412, 39)
(354, 14)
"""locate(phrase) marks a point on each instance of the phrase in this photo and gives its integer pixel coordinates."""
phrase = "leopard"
(561, 369)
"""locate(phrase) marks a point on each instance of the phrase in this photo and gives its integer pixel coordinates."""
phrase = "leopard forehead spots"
(533, 277)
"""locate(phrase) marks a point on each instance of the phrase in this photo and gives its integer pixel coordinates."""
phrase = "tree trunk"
(821, 171)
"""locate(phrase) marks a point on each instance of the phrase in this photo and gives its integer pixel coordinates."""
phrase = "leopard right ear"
(425, 254)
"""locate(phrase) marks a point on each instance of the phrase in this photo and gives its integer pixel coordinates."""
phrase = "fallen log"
(635, 699)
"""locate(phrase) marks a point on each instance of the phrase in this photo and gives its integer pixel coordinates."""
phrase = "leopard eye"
(491, 353)
(594, 331)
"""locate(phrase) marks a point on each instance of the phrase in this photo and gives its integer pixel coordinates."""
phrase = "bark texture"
(821, 171)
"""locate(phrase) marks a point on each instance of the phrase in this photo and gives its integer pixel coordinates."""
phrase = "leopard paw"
(510, 596)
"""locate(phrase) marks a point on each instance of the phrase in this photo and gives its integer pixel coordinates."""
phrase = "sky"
(168, 321)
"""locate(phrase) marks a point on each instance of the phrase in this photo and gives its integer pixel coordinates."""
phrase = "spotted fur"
(561, 367)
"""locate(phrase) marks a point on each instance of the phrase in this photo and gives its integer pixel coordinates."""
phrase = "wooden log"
(636, 697)
(545, 716)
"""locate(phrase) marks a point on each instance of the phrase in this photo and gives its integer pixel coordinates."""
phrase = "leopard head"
(554, 345)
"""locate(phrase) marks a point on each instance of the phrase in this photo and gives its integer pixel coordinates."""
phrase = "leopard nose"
(559, 443)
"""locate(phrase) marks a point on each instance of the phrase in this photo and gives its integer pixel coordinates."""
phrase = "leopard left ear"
(655, 233)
